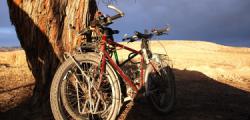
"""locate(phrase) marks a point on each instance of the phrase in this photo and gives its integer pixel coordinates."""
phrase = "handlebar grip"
(116, 16)
(162, 30)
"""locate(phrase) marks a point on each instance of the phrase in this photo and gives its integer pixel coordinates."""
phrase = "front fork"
(145, 55)
(153, 64)
(102, 70)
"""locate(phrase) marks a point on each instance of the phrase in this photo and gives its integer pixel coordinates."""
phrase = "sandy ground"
(213, 83)
(16, 80)
(229, 65)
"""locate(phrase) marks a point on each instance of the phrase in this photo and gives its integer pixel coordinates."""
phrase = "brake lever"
(116, 9)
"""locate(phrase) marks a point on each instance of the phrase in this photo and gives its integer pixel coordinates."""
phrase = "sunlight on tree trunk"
(43, 30)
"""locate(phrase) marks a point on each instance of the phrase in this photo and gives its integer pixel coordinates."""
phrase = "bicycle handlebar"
(153, 32)
(161, 31)
(103, 21)
(120, 13)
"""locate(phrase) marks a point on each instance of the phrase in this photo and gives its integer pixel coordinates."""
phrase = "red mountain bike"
(91, 85)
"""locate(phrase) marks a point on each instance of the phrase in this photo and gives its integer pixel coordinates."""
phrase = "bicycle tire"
(167, 80)
(61, 109)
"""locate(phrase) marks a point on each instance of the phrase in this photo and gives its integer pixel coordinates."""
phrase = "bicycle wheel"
(73, 96)
(161, 87)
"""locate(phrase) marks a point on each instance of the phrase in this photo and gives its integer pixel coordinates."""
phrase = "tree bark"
(43, 30)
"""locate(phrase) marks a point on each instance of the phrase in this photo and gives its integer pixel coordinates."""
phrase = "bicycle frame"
(105, 56)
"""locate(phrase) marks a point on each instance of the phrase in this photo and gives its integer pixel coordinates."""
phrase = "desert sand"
(212, 80)
(16, 80)
(229, 65)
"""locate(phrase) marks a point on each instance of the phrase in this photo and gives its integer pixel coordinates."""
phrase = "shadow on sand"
(198, 98)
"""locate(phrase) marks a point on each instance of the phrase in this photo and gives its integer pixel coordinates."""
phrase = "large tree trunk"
(42, 27)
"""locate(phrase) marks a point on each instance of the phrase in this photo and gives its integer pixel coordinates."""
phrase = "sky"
(222, 21)
(7, 31)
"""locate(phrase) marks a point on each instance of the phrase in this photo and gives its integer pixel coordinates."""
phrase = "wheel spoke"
(90, 103)
(80, 97)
